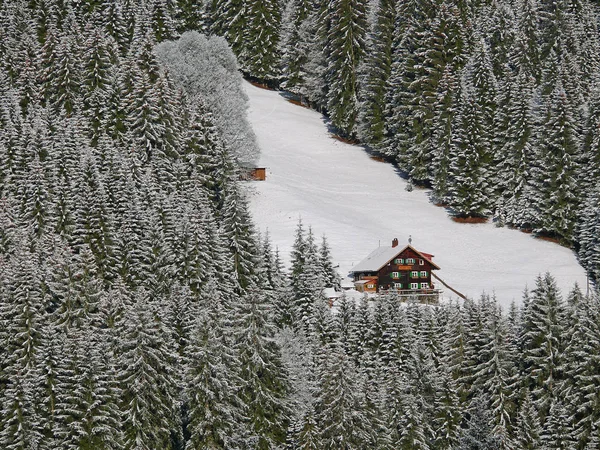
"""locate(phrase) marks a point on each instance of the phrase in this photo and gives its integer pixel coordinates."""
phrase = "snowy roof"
(347, 283)
(331, 293)
(363, 281)
(383, 255)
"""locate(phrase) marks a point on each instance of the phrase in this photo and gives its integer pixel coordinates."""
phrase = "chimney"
(395, 242)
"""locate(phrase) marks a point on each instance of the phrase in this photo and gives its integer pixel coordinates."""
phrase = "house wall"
(385, 274)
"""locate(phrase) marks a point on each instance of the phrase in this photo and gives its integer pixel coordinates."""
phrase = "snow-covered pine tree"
(260, 57)
(346, 48)
(331, 277)
(294, 45)
(87, 393)
(496, 376)
(238, 230)
(375, 72)
(445, 108)
(264, 385)
(298, 256)
(582, 377)
(214, 410)
(278, 282)
(149, 401)
(478, 435)
(448, 414)
(542, 342)
(229, 19)
(468, 181)
(114, 15)
(192, 16)
(556, 432)
(527, 426)
(315, 68)
(516, 154)
(588, 233)
(340, 417)
(555, 174)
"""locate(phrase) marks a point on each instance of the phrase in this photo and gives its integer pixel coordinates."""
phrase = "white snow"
(360, 203)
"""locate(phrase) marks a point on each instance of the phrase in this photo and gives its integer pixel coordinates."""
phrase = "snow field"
(360, 203)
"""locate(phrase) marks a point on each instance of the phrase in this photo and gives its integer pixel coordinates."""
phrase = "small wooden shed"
(258, 173)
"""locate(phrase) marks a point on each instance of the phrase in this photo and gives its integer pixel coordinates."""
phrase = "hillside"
(359, 202)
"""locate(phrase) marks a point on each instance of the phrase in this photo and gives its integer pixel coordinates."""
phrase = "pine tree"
(555, 176)
(478, 433)
(448, 415)
(346, 47)
(88, 393)
(294, 45)
(556, 430)
(238, 230)
(260, 57)
(330, 276)
(340, 417)
(516, 155)
(587, 236)
(229, 20)
(468, 183)
(215, 412)
(298, 256)
(442, 128)
(542, 343)
(377, 70)
(527, 427)
(581, 374)
(264, 384)
(149, 398)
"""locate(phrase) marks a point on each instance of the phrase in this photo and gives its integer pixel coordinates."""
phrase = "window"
(398, 261)
(421, 262)
(423, 274)
(395, 274)
(414, 285)
(398, 285)
(410, 261)
(424, 285)
(414, 274)
(371, 286)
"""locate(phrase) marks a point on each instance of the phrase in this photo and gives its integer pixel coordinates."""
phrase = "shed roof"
(383, 255)
(370, 280)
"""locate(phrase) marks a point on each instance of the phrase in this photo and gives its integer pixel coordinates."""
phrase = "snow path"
(358, 202)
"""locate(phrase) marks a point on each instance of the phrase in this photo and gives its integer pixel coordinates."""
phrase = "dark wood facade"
(407, 271)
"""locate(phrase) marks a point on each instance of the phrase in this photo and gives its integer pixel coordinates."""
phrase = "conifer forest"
(141, 309)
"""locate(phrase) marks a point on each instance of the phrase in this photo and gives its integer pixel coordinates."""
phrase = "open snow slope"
(358, 202)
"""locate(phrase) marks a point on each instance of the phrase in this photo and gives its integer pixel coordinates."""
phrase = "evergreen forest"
(139, 307)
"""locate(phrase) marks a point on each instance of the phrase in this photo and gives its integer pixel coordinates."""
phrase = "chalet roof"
(383, 255)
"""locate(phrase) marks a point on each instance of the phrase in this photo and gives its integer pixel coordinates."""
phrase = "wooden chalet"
(405, 271)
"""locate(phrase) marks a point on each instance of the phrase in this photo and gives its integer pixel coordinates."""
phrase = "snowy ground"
(358, 203)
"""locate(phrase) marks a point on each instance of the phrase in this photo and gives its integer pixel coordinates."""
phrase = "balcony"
(428, 296)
